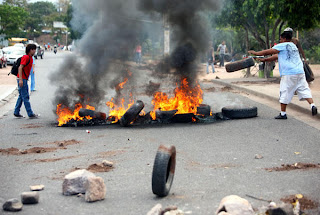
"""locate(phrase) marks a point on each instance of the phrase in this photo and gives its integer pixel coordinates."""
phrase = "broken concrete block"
(235, 205)
(12, 205)
(95, 189)
(30, 197)
(107, 163)
(74, 182)
(156, 210)
(37, 187)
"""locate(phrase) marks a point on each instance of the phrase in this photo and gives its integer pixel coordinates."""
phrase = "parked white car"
(19, 45)
(14, 54)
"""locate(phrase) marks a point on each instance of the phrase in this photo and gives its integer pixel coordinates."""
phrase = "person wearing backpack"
(22, 79)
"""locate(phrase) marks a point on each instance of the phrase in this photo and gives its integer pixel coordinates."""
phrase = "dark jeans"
(23, 97)
(138, 57)
(221, 60)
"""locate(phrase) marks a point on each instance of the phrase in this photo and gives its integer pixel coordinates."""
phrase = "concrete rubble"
(74, 182)
(12, 205)
(30, 197)
(95, 189)
(234, 205)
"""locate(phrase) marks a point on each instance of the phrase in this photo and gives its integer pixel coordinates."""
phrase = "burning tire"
(163, 170)
(241, 64)
(165, 116)
(234, 112)
(183, 118)
(132, 113)
(91, 113)
(204, 110)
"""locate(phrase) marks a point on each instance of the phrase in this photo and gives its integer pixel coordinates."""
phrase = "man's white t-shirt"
(222, 48)
(289, 59)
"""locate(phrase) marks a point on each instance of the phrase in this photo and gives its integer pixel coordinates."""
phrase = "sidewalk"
(265, 88)
(8, 84)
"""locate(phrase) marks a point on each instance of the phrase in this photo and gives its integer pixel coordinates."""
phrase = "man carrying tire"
(291, 72)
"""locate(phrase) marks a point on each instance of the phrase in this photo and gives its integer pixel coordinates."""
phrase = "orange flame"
(65, 114)
(186, 99)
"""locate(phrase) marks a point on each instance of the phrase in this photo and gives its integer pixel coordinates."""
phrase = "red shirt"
(138, 49)
(26, 69)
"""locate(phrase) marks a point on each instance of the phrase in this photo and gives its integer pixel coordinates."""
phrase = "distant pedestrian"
(22, 79)
(55, 49)
(138, 54)
(222, 49)
(32, 76)
(291, 72)
(210, 57)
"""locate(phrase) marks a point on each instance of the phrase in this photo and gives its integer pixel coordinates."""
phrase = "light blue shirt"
(32, 66)
(289, 59)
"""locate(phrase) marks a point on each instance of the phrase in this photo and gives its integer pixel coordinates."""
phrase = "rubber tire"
(131, 114)
(240, 64)
(163, 170)
(204, 110)
(234, 112)
(165, 115)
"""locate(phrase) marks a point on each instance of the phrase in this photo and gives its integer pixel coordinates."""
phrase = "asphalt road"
(213, 160)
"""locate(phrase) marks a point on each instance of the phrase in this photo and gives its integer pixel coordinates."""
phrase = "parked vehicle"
(14, 54)
(3, 59)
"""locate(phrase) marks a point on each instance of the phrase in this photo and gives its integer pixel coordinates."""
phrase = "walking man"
(223, 49)
(210, 57)
(291, 72)
(33, 83)
(22, 79)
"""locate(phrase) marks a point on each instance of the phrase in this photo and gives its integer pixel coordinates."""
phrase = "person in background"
(138, 54)
(32, 87)
(210, 57)
(22, 79)
(293, 78)
(223, 49)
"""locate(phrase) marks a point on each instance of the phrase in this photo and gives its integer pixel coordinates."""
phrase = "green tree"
(74, 34)
(12, 20)
(17, 3)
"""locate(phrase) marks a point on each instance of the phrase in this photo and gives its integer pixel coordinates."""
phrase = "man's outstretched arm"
(264, 52)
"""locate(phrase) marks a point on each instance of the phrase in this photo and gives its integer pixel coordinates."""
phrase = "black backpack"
(15, 67)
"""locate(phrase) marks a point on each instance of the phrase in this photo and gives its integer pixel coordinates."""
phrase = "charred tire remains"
(91, 113)
(132, 113)
(234, 112)
(238, 65)
(204, 110)
(165, 116)
(163, 170)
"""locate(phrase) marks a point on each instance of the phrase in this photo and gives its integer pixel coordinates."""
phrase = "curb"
(8, 98)
(243, 89)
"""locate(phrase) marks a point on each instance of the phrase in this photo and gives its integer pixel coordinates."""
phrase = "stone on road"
(30, 197)
(74, 182)
(95, 189)
(12, 205)
(234, 205)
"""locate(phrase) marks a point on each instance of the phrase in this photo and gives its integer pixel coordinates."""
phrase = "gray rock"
(234, 205)
(95, 189)
(37, 187)
(12, 205)
(156, 210)
(74, 182)
(30, 197)
(107, 163)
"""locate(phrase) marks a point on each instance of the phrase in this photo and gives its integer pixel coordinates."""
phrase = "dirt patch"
(305, 203)
(210, 89)
(226, 89)
(65, 142)
(34, 150)
(99, 168)
(289, 167)
(110, 153)
(26, 126)
(222, 166)
(276, 81)
(53, 159)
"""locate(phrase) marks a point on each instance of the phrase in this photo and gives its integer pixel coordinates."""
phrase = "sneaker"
(314, 110)
(34, 116)
(281, 117)
(18, 115)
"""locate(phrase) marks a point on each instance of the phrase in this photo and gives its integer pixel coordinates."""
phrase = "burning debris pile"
(82, 87)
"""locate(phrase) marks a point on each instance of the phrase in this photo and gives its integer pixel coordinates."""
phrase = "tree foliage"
(16, 3)
(12, 20)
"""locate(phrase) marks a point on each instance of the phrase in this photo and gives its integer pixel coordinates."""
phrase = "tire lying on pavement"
(204, 110)
(240, 64)
(236, 112)
(163, 170)
(131, 113)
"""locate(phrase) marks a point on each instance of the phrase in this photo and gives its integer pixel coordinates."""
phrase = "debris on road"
(88, 131)
(288, 167)
(30, 197)
(101, 167)
(107, 163)
(163, 170)
(37, 187)
(234, 205)
(156, 210)
(305, 202)
(257, 156)
(74, 182)
(34, 150)
(95, 189)
(171, 210)
(12, 205)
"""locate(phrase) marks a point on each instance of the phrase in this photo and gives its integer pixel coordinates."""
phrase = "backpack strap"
(25, 66)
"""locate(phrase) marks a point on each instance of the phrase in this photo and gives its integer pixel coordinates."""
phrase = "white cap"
(288, 29)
